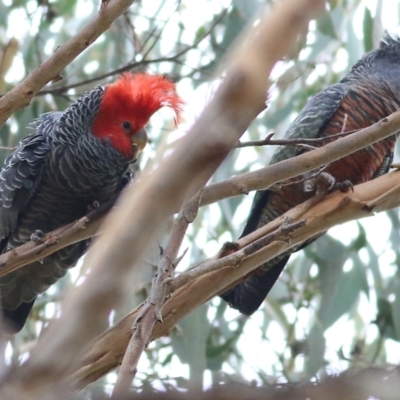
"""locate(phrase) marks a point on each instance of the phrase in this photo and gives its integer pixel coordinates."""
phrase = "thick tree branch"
(266, 177)
(235, 186)
(374, 196)
(238, 185)
(51, 69)
(236, 103)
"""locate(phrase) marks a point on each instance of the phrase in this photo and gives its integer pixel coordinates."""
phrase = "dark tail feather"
(248, 295)
(12, 321)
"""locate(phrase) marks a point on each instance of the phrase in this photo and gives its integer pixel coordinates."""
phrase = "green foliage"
(368, 29)
(341, 293)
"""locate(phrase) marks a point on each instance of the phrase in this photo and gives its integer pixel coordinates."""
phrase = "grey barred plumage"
(34, 197)
(369, 92)
(57, 173)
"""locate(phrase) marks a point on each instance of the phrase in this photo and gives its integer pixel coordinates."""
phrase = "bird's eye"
(126, 125)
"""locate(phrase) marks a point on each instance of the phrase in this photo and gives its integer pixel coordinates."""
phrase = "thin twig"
(346, 116)
(282, 170)
(305, 178)
(136, 64)
(294, 142)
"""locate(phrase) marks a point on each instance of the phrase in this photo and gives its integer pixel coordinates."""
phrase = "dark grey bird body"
(52, 179)
(368, 93)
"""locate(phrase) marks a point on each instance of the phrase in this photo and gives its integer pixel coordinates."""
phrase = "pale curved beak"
(139, 140)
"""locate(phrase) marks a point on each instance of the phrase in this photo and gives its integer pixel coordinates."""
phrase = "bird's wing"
(20, 178)
(308, 124)
(311, 120)
(249, 294)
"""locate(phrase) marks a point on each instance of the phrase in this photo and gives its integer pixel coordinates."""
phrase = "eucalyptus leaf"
(325, 25)
(189, 339)
(368, 30)
(395, 306)
(339, 290)
(316, 345)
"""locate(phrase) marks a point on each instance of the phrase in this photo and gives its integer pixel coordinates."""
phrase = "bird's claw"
(38, 236)
(326, 183)
(321, 182)
(227, 249)
(343, 186)
(95, 205)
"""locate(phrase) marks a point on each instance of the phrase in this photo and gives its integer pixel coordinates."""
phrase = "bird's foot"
(95, 205)
(344, 186)
(322, 182)
(38, 236)
(326, 183)
(227, 249)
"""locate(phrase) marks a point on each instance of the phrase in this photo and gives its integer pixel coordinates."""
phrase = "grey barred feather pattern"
(51, 179)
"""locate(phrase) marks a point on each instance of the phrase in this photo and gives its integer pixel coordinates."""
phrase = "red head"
(127, 106)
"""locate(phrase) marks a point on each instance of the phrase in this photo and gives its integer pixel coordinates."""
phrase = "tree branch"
(378, 195)
(291, 142)
(282, 233)
(151, 311)
(136, 64)
(235, 186)
(236, 103)
(84, 228)
(280, 171)
(21, 95)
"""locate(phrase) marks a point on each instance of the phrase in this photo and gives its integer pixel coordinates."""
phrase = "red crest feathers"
(134, 98)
